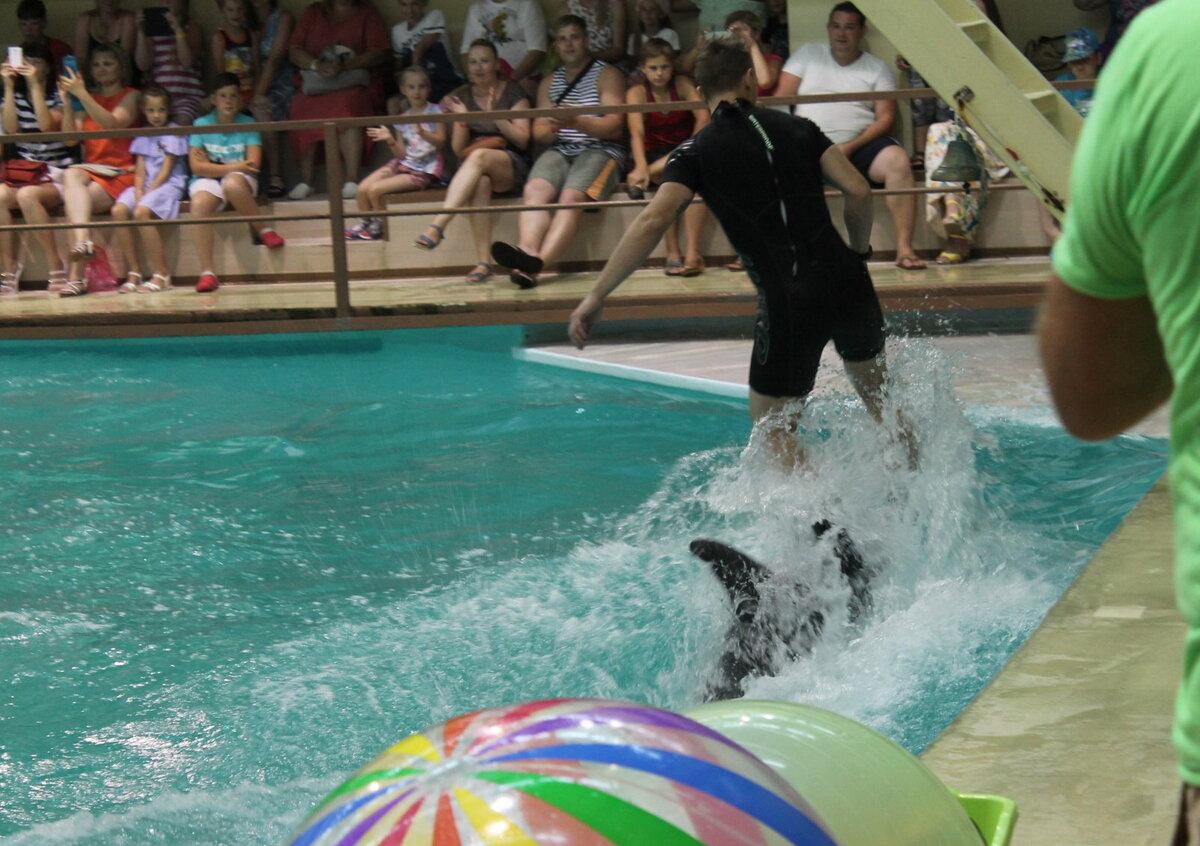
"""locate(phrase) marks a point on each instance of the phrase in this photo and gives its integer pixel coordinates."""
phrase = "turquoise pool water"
(234, 569)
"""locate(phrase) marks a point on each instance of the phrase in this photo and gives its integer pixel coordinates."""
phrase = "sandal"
(692, 269)
(736, 266)
(673, 268)
(426, 243)
(909, 263)
(10, 283)
(133, 281)
(83, 249)
(56, 280)
(73, 288)
(522, 280)
(158, 282)
(948, 257)
(917, 162)
(476, 276)
(514, 258)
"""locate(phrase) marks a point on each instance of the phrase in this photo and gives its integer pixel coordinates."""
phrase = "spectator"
(494, 155)
(606, 26)
(654, 135)
(747, 26)
(652, 22)
(31, 23)
(419, 40)
(109, 104)
(954, 214)
(926, 111)
(235, 46)
(1121, 14)
(173, 62)
(108, 23)
(339, 43)
(225, 168)
(160, 175)
(584, 159)
(418, 162)
(775, 33)
(1120, 325)
(517, 28)
(29, 106)
(1083, 60)
(712, 13)
(275, 85)
(858, 128)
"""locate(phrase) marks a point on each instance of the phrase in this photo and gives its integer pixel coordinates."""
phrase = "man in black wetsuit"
(762, 173)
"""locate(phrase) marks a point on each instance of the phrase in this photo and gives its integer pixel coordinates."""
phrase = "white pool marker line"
(634, 374)
(1120, 612)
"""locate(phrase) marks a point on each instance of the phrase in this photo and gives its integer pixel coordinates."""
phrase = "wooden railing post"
(334, 177)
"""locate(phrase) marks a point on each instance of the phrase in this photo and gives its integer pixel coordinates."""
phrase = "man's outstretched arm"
(1103, 360)
(635, 246)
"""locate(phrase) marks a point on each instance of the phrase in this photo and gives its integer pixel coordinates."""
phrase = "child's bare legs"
(379, 184)
(8, 240)
(152, 243)
(204, 204)
(35, 201)
(239, 195)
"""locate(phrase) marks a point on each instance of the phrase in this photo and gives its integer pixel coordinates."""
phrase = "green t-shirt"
(1133, 230)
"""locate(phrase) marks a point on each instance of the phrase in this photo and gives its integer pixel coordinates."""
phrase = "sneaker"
(208, 282)
(355, 232)
(374, 229)
(270, 239)
(365, 230)
(349, 190)
(300, 191)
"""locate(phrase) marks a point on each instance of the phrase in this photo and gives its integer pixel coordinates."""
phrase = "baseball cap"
(1081, 43)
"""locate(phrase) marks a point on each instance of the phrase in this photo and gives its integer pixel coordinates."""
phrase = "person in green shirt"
(1120, 328)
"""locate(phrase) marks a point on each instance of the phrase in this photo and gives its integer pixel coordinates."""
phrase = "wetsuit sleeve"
(684, 166)
(811, 137)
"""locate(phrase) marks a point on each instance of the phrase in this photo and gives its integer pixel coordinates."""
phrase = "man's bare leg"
(869, 379)
(781, 418)
(892, 168)
(532, 225)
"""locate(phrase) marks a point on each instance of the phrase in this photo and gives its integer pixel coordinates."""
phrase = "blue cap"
(1081, 43)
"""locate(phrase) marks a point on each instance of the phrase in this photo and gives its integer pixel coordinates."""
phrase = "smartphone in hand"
(16, 57)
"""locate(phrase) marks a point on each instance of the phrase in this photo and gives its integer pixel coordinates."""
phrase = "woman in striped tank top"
(30, 105)
(173, 62)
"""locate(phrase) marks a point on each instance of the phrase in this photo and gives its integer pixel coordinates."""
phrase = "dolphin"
(769, 631)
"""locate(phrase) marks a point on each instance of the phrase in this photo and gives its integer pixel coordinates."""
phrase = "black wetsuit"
(760, 173)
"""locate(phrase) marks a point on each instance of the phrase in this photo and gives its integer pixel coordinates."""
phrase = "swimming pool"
(234, 569)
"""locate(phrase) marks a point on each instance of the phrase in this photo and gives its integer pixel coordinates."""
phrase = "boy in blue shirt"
(225, 168)
(1082, 58)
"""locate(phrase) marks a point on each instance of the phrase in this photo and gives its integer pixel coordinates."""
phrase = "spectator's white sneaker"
(301, 191)
(349, 191)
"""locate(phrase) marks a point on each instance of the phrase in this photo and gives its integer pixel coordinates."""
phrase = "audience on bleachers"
(339, 45)
(954, 214)
(107, 170)
(493, 155)
(418, 162)
(584, 159)
(517, 28)
(774, 35)
(225, 167)
(107, 23)
(275, 85)
(606, 26)
(174, 61)
(419, 40)
(31, 104)
(652, 138)
(31, 23)
(1083, 58)
(159, 179)
(652, 20)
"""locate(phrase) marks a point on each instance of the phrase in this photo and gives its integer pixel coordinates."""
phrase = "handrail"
(334, 176)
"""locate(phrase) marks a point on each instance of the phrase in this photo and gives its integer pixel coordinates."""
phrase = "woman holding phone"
(170, 48)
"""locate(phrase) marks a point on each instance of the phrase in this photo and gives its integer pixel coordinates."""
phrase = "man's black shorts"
(798, 318)
(864, 156)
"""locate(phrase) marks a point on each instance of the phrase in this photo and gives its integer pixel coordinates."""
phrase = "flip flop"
(522, 280)
(514, 258)
(692, 269)
(673, 268)
(910, 263)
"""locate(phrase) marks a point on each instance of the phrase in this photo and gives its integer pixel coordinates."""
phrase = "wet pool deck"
(1076, 728)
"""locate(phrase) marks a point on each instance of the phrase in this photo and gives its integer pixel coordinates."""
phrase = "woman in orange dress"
(109, 104)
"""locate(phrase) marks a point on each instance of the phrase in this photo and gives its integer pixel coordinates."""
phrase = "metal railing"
(334, 177)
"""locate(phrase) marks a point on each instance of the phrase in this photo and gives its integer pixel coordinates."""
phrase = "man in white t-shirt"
(517, 28)
(860, 128)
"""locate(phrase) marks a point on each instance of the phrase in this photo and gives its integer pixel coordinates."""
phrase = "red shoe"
(208, 282)
(270, 239)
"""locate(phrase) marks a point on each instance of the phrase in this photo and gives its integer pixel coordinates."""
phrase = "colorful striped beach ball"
(568, 772)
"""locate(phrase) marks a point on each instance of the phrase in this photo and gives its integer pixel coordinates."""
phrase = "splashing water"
(227, 591)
